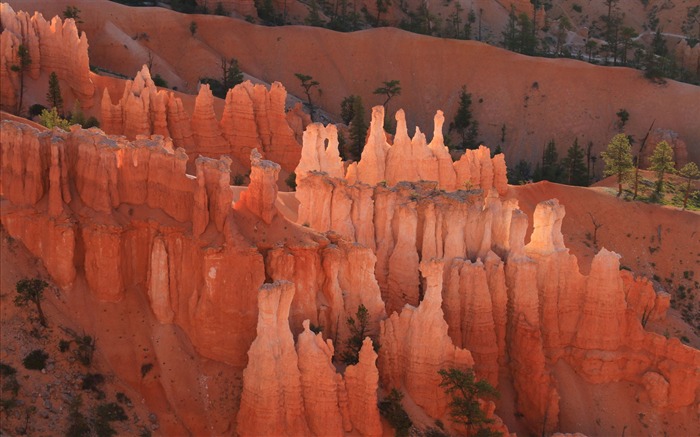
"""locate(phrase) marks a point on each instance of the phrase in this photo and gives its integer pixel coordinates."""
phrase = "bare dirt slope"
(536, 99)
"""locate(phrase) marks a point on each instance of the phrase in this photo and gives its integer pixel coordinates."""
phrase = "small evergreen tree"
(31, 290)
(464, 122)
(308, 82)
(53, 96)
(358, 128)
(618, 159)
(390, 89)
(72, 12)
(551, 169)
(395, 414)
(193, 27)
(25, 60)
(466, 390)
(575, 171)
(661, 162)
(231, 74)
(358, 329)
(346, 109)
(690, 172)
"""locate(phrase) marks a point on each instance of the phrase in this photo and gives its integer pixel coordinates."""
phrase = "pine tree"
(690, 172)
(618, 159)
(358, 128)
(25, 60)
(308, 82)
(551, 169)
(464, 122)
(53, 96)
(465, 408)
(662, 163)
(31, 290)
(575, 171)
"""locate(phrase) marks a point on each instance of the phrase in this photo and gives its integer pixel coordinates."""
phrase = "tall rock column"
(362, 381)
(261, 194)
(416, 345)
(271, 401)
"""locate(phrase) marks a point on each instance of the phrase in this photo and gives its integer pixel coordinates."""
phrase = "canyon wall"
(52, 45)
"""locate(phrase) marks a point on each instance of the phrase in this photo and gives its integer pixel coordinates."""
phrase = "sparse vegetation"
(662, 163)
(51, 119)
(31, 290)
(193, 28)
(53, 96)
(291, 181)
(358, 331)
(35, 360)
(24, 61)
(72, 12)
(395, 414)
(464, 122)
(307, 83)
(618, 159)
(465, 390)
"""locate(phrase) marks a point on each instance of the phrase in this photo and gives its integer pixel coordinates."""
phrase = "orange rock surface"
(253, 118)
(53, 46)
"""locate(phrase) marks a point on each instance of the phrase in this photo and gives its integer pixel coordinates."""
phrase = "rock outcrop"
(415, 346)
(408, 159)
(261, 195)
(272, 402)
(53, 46)
(253, 118)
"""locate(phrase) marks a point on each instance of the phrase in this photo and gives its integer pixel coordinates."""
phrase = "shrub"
(145, 368)
(7, 370)
(291, 181)
(93, 381)
(159, 81)
(36, 109)
(78, 425)
(35, 360)
(91, 122)
(394, 413)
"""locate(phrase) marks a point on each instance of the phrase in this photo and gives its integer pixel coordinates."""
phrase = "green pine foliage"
(661, 162)
(465, 390)
(618, 159)
(574, 166)
(464, 122)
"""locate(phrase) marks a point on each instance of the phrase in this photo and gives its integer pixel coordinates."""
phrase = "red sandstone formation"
(407, 159)
(53, 46)
(124, 218)
(416, 345)
(253, 118)
(272, 402)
